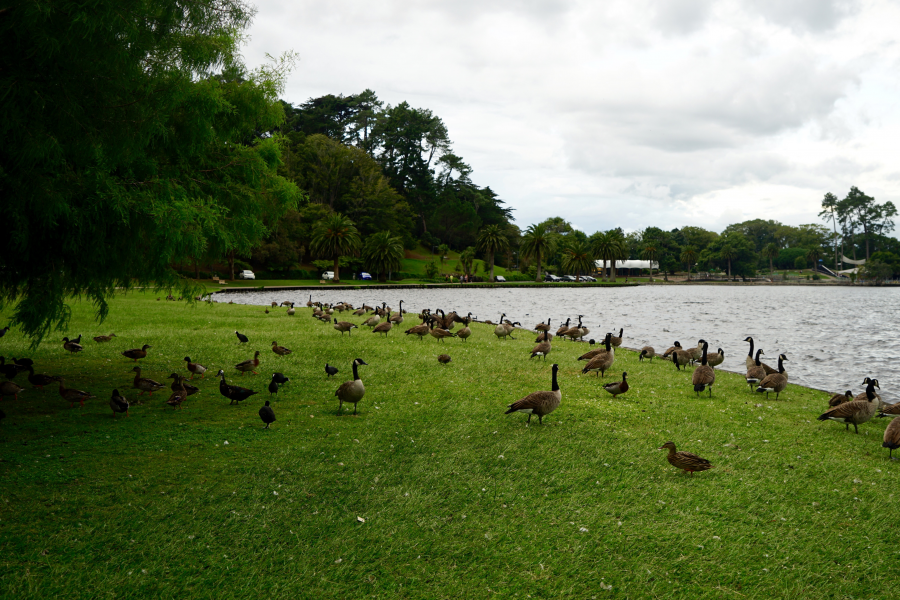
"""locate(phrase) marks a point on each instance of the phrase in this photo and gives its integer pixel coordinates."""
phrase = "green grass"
(459, 500)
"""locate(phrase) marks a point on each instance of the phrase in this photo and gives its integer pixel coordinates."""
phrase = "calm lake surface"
(833, 337)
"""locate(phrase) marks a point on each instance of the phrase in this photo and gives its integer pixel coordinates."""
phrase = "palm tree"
(538, 241)
(577, 258)
(813, 256)
(729, 254)
(490, 241)
(647, 254)
(770, 251)
(688, 255)
(609, 246)
(467, 259)
(335, 236)
(443, 249)
(383, 253)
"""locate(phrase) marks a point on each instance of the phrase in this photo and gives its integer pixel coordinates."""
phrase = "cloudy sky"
(625, 112)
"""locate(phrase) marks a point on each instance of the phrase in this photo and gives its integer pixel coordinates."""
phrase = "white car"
(328, 275)
(246, 274)
(500, 279)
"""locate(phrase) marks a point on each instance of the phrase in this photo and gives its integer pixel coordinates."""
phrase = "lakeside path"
(431, 491)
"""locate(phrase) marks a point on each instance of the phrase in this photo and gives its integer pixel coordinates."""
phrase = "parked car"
(569, 278)
(365, 276)
(551, 277)
(500, 279)
(587, 278)
(328, 275)
(246, 274)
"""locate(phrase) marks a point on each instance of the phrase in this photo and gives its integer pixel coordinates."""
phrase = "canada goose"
(776, 382)
(543, 326)
(704, 376)
(137, 353)
(856, 412)
(564, 328)
(372, 321)
(617, 387)
(248, 365)
(352, 391)
(195, 368)
(235, 393)
(397, 317)
(38, 380)
(602, 362)
(287, 303)
(291, 312)
(865, 395)
(756, 373)
(750, 360)
(616, 341)
(890, 410)
(420, 330)
(439, 334)
(444, 358)
(8, 388)
(544, 336)
(697, 351)
(464, 333)
(267, 415)
(309, 302)
(359, 311)
(242, 339)
(574, 333)
(383, 327)
(273, 386)
(686, 461)
(716, 359)
(330, 371)
(274, 304)
(118, 403)
(837, 399)
(280, 350)
(179, 393)
(590, 354)
(501, 330)
(892, 438)
(71, 395)
(539, 403)
(72, 346)
(647, 352)
(542, 349)
(280, 379)
(672, 348)
(104, 338)
(343, 326)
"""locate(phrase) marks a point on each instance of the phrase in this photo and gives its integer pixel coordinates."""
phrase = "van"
(328, 275)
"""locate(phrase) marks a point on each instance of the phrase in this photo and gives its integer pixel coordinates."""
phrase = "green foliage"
(491, 240)
(800, 262)
(467, 259)
(538, 241)
(609, 246)
(382, 254)
(335, 236)
(432, 270)
(577, 258)
(877, 271)
(787, 257)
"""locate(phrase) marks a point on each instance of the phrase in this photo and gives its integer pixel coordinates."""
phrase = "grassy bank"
(431, 492)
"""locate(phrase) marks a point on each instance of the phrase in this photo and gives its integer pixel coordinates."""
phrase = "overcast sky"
(625, 113)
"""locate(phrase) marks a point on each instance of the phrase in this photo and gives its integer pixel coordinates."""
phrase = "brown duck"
(104, 338)
(137, 353)
(145, 384)
(685, 461)
(280, 350)
(71, 395)
(249, 365)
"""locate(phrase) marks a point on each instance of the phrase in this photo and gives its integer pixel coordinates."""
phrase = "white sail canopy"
(628, 264)
(850, 261)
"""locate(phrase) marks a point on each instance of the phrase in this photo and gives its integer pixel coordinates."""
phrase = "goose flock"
(762, 378)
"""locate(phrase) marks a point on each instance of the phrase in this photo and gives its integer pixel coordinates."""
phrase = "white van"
(246, 274)
(328, 275)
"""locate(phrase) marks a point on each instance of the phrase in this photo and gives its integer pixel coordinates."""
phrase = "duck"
(248, 365)
(542, 349)
(71, 395)
(755, 373)
(179, 392)
(647, 352)
(687, 461)
(838, 399)
(22, 363)
(856, 412)
(616, 340)
(352, 391)
(280, 350)
(892, 438)
(8, 388)
(235, 393)
(118, 403)
(180, 383)
(703, 376)
(330, 371)
(602, 362)
(38, 380)
(440, 334)
(9, 370)
(195, 368)
(267, 415)
(444, 358)
(72, 346)
(104, 338)
(617, 387)
(343, 326)
(420, 330)
(776, 382)
(273, 386)
(137, 353)
(145, 384)
(242, 339)
(384, 327)
(539, 403)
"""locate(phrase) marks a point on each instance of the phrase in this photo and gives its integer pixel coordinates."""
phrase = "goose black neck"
(703, 358)
(607, 343)
(870, 390)
(780, 365)
(355, 372)
(621, 331)
(758, 363)
(750, 354)
(554, 386)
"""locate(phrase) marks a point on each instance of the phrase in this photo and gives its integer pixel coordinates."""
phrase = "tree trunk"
(231, 264)
(538, 266)
(729, 269)
(612, 269)
(337, 266)
(771, 268)
(491, 256)
(651, 269)
(196, 268)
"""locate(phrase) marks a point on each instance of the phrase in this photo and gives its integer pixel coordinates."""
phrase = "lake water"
(833, 336)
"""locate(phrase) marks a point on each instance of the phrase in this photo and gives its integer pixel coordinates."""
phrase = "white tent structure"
(628, 264)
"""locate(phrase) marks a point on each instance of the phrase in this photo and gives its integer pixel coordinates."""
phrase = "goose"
(179, 392)
(439, 334)
(235, 393)
(647, 352)
(892, 438)
(274, 304)
(248, 365)
(118, 403)
(280, 379)
(578, 332)
(500, 330)
(543, 326)
(602, 362)
(542, 349)
(330, 371)
(681, 358)
(38, 380)
(590, 354)
(397, 317)
(704, 376)
(343, 326)
(71, 395)
(865, 395)
(444, 358)
(195, 368)
(616, 341)
(890, 410)
(465, 332)
(145, 384)
(267, 415)
(716, 359)
(104, 338)
(72, 346)
(420, 330)
(750, 361)
(352, 391)
(837, 399)
(756, 373)
(242, 339)
(856, 412)
(673, 348)
(384, 327)
(8, 388)
(617, 387)
(359, 311)
(287, 303)
(291, 311)
(776, 382)
(697, 351)
(686, 461)
(539, 403)
(309, 302)
(564, 328)
(372, 321)
(280, 350)
(544, 336)
(137, 353)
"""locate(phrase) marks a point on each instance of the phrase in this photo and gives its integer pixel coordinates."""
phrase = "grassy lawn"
(431, 491)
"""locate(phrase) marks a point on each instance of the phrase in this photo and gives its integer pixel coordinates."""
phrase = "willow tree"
(382, 254)
(335, 236)
(490, 241)
(123, 155)
(538, 242)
